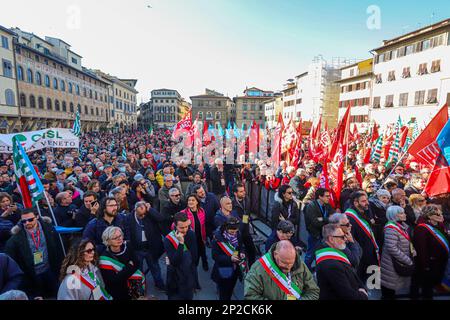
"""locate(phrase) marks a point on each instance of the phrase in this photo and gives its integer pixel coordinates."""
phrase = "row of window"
(252, 107)
(56, 105)
(162, 101)
(412, 48)
(125, 106)
(252, 116)
(55, 65)
(125, 95)
(209, 103)
(166, 118)
(422, 70)
(359, 118)
(355, 87)
(165, 109)
(209, 115)
(55, 83)
(354, 102)
(420, 98)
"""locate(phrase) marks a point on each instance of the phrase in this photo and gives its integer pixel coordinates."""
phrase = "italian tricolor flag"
(28, 181)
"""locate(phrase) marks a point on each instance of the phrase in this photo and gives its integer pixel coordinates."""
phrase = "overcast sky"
(223, 45)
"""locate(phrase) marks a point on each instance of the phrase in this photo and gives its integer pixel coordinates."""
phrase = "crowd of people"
(128, 206)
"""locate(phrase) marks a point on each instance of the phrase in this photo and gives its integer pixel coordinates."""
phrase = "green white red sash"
(279, 277)
(398, 228)
(173, 239)
(331, 254)
(226, 247)
(88, 281)
(364, 225)
(108, 263)
(229, 251)
(437, 235)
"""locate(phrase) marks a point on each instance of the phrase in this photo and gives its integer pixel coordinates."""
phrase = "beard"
(112, 214)
(342, 247)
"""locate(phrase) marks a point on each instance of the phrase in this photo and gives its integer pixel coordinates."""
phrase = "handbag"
(225, 272)
(403, 270)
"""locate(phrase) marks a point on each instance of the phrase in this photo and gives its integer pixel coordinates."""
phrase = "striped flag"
(376, 153)
(124, 154)
(416, 132)
(150, 131)
(395, 148)
(76, 130)
(27, 179)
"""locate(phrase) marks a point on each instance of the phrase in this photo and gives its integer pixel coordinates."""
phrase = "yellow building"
(9, 110)
(52, 85)
(250, 107)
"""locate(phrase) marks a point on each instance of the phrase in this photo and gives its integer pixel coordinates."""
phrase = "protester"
(280, 275)
(417, 202)
(285, 231)
(336, 278)
(36, 248)
(11, 275)
(181, 248)
(284, 207)
(120, 267)
(228, 253)
(432, 245)
(80, 266)
(378, 205)
(170, 208)
(210, 204)
(397, 254)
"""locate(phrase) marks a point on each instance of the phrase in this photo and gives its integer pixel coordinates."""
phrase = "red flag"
(182, 126)
(425, 149)
(403, 135)
(375, 134)
(367, 155)
(358, 176)
(278, 136)
(337, 172)
(341, 135)
(298, 147)
(439, 180)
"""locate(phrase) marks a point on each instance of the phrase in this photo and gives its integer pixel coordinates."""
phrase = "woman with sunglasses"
(417, 203)
(284, 207)
(432, 245)
(80, 276)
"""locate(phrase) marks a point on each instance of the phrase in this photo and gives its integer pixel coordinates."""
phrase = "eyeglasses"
(346, 225)
(176, 195)
(89, 251)
(438, 214)
(289, 192)
(117, 238)
(421, 200)
(340, 237)
(23, 221)
(112, 205)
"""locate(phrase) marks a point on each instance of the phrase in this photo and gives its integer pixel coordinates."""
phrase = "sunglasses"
(176, 195)
(289, 192)
(340, 237)
(89, 251)
(346, 225)
(24, 221)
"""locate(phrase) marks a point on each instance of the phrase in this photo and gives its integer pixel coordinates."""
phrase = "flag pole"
(395, 167)
(55, 222)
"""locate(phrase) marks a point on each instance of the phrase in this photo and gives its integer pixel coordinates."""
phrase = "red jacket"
(201, 216)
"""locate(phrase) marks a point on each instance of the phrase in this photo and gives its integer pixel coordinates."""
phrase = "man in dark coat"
(36, 248)
(88, 210)
(209, 203)
(11, 276)
(317, 214)
(65, 211)
(399, 199)
(362, 233)
(181, 248)
(169, 209)
(218, 182)
(145, 238)
(241, 205)
(415, 186)
(336, 278)
(108, 216)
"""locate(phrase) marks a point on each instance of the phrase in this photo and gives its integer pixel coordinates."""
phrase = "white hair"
(108, 234)
(392, 212)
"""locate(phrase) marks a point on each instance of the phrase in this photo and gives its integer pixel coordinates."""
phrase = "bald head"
(285, 255)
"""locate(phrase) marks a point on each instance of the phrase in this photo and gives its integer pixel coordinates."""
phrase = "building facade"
(9, 109)
(356, 86)
(273, 108)
(314, 93)
(166, 104)
(250, 107)
(412, 76)
(212, 107)
(52, 85)
(145, 120)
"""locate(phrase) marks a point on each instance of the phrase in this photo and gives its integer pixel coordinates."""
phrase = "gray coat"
(80, 292)
(397, 246)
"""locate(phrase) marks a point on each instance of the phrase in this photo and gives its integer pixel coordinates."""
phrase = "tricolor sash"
(173, 239)
(108, 263)
(398, 228)
(331, 254)
(229, 251)
(365, 226)
(279, 277)
(437, 235)
(89, 282)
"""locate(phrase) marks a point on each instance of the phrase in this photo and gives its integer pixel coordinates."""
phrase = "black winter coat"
(221, 259)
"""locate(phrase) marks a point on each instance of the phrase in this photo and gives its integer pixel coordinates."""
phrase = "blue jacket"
(11, 276)
(211, 205)
(94, 229)
(222, 261)
(152, 232)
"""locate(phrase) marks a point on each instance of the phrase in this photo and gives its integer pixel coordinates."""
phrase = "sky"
(224, 45)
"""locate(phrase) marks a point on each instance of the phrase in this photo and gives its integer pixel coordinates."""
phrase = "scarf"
(233, 240)
(378, 203)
